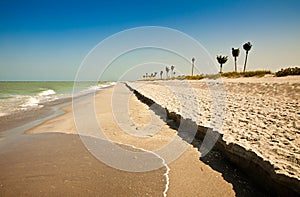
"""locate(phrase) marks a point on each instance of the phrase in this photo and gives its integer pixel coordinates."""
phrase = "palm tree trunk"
(193, 69)
(221, 68)
(245, 61)
(235, 67)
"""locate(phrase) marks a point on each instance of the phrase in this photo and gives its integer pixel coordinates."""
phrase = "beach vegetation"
(193, 64)
(247, 47)
(167, 72)
(161, 74)
(172, 70)
(222, 60)
(256, 73)
(196, 77)
(288, 71)
(235, 54)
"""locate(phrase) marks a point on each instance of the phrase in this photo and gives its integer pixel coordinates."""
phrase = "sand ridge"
(262, 116)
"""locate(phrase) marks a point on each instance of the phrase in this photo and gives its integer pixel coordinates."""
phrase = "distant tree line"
(170, 73)
(170, 70)
(288, 71)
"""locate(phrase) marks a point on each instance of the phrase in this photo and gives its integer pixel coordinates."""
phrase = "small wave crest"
(91, 89)
(47, 92)
(31, 102)
(35, 101)
(105, 85)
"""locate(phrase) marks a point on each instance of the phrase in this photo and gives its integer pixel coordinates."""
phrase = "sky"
(49, 40)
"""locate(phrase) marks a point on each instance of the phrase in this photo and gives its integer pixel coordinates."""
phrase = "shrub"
(258, 73)
(288, 71)
(231, 74)
(196, 77)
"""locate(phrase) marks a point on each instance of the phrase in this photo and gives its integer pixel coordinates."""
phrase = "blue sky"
(47, 40)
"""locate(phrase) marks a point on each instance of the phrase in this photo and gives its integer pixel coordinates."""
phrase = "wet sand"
(59, 165)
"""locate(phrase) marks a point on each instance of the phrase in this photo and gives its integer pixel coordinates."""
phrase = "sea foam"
(35, 101)
(47, 92)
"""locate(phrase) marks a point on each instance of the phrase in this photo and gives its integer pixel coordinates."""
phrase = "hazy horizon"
(49, 40)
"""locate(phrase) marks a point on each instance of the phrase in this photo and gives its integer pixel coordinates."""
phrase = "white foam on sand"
(166, 174)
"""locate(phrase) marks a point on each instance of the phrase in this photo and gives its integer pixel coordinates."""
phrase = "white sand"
(261, 114)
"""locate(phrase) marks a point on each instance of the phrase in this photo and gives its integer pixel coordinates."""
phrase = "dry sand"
(51, 160)
(262, 115)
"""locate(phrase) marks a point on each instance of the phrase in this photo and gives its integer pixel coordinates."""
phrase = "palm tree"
(155, 73)
(172, 69)
(235, 54)
(222, 60)
(167, 70)
(193, 63)
(247, 46)
(161, 73)
(147, 75)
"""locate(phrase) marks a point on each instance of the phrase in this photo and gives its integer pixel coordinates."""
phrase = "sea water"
(16, 96)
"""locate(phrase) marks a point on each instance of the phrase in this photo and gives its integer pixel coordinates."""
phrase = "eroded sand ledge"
(260, 131)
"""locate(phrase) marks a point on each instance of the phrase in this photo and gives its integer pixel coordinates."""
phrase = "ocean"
(18, 96)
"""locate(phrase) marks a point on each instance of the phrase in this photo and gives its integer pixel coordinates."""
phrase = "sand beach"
(152, 98)
(260, 123)
(51, 158)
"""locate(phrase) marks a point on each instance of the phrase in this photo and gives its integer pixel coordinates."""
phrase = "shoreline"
(50, 159)
(33, 117)
(59, 164)
(45, 107)
(53, 160)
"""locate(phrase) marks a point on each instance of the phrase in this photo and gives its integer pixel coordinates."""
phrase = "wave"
(91, 89)
(31, 102)
(107, 85)
(47, 92)
(15, 103)
(36, 100)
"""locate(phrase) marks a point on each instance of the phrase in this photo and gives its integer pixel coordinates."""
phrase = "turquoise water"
(10, 89)
(24, 95)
